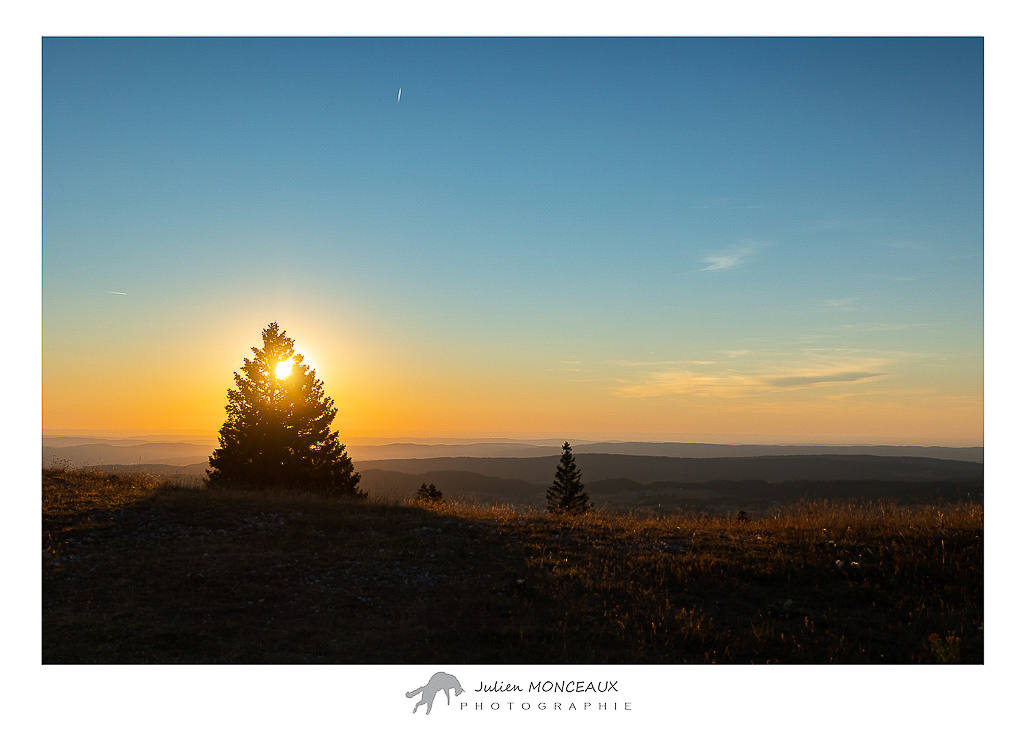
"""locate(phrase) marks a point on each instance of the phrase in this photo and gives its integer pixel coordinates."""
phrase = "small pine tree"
(429, 494)
(277, 431)
(566, 495)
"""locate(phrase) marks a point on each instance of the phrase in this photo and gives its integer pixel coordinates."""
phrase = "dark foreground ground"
(139, 572)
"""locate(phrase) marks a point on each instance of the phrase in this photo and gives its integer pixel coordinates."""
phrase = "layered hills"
(94, 451)
(627, 474)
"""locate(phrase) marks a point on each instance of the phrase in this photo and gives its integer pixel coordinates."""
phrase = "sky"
(698, 239)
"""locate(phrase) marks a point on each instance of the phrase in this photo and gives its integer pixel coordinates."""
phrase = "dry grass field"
(140, 571)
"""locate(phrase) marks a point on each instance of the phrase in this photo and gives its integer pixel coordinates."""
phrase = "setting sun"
(283, 369)
(840, 304)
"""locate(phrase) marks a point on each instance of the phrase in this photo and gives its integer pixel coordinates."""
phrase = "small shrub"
(429, 494)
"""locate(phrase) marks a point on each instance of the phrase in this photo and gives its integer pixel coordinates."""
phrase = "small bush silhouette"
(429, 494)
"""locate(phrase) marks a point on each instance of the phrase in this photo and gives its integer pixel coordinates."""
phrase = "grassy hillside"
(139, 572)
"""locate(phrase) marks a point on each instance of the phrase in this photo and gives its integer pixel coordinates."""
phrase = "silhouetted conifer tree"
(566, 494)
(277, 430)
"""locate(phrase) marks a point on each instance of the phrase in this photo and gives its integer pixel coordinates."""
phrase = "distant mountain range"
(642, 469)
(716, 495)
(629, 480)
(632, 474)
(79, 451)
(651, 449)
(684, 449)
(166, 453)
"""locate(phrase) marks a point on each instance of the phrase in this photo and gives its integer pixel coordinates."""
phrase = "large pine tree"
(277, 431)
(566, 495)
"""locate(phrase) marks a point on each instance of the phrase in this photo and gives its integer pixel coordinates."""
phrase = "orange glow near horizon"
(455, 269)
(384, 388)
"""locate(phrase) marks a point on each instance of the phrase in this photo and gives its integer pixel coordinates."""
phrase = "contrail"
(123, 294)
(399, 95)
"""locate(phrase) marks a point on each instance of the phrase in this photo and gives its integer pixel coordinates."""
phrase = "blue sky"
(653, 221)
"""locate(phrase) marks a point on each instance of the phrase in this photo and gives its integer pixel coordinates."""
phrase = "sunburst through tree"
(277, 431)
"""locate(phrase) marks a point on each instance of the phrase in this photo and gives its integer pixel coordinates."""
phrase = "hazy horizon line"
(585, 438)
